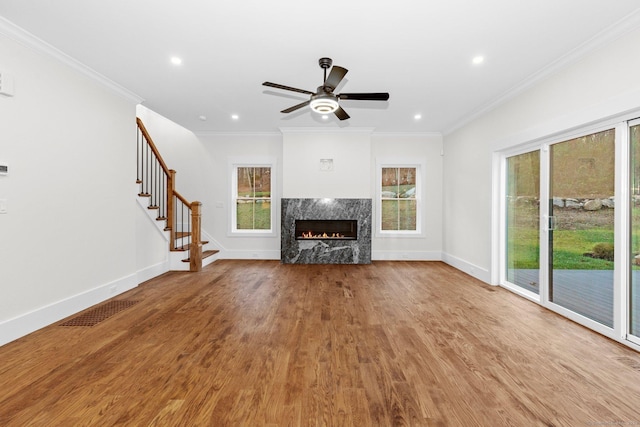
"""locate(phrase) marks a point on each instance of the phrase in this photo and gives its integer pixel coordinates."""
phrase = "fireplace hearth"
(326, 231)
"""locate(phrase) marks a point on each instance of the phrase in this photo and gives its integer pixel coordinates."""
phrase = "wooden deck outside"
(587, 292)
(259, 343)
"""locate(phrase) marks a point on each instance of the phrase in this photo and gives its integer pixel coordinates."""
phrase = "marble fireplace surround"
(325, 251)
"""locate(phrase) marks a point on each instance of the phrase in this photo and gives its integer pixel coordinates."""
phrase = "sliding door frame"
(625, 299)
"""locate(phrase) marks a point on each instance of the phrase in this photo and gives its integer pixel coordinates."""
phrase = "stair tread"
(205, 254)
(187, 246)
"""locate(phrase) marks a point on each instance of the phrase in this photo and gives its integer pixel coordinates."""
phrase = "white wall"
(602, 84)
(349, 153)
(220, 148)
(298, 153)
(68, 239)
(425, 148)
(182, 151)
(152, 243)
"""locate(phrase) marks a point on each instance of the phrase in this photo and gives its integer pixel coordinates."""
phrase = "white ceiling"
(419, 51)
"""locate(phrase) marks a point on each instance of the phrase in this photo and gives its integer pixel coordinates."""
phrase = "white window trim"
(401, 162)
(233, 164)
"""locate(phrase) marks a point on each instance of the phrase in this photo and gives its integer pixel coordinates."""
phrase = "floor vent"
(98, 314)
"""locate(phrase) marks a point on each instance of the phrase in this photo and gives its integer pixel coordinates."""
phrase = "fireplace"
(320, 229)
(326, 231)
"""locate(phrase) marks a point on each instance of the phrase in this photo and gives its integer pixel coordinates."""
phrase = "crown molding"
(286, 130)
(205, 133)
(14, 32)
(608, 35)
(414, 133)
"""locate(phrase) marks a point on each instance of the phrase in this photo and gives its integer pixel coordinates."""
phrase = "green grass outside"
(253, 216)
(569, 247)
(399, 214)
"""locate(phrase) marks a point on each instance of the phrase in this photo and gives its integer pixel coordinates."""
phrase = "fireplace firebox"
(320, 229)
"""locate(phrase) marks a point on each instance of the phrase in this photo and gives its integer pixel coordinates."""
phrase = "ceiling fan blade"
(377, 96)
(335, 77)
(277, 86)
(296, 107)
(341, 114)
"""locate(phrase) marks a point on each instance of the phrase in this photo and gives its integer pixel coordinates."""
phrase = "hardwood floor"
(258, 343)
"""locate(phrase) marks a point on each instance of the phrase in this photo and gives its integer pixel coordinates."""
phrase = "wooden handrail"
(152, 145)
(182, 199)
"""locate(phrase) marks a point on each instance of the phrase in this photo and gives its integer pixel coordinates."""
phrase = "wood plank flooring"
(258, 343)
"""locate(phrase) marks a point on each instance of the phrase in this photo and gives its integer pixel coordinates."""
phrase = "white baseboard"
(472, 270)
(152, 271)
(406, 256)
(249, 254)
(24, 324)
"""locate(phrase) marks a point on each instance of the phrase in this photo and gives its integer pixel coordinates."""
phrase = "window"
(251, 204)
(399, 196)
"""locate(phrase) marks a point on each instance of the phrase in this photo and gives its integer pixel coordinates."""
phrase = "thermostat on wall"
(326, 165)
(4, 168)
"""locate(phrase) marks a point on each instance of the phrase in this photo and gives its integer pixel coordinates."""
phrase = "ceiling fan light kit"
(324, 103)
(323, 100)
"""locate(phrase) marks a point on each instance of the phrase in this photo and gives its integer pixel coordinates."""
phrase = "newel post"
(171, 188)
(195, 248)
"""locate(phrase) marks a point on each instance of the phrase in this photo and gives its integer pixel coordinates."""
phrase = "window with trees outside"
(399, 199)
(251, 204)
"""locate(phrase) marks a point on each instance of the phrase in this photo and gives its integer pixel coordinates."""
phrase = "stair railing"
(157, 181)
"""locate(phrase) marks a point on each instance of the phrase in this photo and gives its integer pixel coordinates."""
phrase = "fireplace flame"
(310, 235)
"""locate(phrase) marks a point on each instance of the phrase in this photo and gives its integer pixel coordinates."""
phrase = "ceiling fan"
(323, 100)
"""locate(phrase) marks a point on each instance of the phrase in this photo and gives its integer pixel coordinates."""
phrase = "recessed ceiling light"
(235, 116)
(417, 116)
(176, 61)
(477, 60)
(203, 118)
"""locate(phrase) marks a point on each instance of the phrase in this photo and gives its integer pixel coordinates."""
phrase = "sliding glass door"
(581, 225)
(567, 240)
(523, 221)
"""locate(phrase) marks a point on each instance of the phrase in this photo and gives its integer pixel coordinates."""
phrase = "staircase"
(178, 219)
